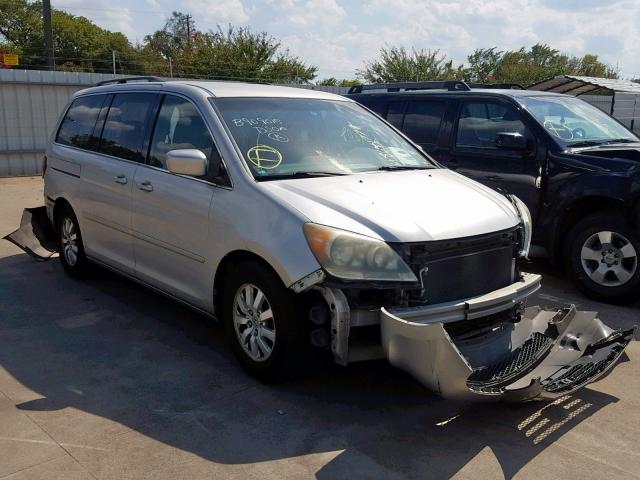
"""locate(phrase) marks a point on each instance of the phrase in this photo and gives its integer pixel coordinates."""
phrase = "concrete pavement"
(104, 379)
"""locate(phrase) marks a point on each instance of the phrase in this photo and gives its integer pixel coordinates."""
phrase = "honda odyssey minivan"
(307, 224)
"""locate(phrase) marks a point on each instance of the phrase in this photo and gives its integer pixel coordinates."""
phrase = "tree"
(328, 82)
(79, 44)
(395, 64)
(483, 63)
(231, 53)
(526, 67)
(334, 82)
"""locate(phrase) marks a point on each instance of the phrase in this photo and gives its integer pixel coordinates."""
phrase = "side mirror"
(188, 161)
(511, 141)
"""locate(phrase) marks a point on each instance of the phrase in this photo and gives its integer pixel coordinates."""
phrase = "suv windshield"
(573, 122)
(298, 138)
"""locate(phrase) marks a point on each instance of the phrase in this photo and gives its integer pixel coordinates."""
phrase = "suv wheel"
(70, 247)
(601, 255)
(264, 322)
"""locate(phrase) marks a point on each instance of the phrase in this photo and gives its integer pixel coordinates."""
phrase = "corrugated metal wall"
(30, 102)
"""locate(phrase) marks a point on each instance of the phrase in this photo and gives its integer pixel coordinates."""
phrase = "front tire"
(70, 246)
(601, 256)
(264, 323)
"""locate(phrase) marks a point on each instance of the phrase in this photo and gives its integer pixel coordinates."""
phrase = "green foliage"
(79, 44)
(334, 82)
(178, 48)
(395, 64)
(231, 54)
(526, 67)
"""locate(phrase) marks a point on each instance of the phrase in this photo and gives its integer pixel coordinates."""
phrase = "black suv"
(576, 168)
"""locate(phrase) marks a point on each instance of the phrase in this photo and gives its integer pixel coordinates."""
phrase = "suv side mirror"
(511, 141)
(188, 161)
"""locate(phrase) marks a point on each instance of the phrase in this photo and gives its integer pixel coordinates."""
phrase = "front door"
(171, 212)
(475, 153)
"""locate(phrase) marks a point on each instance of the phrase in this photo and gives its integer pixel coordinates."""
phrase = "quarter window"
(79, 122)
(480, 122)
(179, 126)
(124, 129)
(422, 121)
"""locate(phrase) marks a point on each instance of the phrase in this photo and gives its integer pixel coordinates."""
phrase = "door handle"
(146, 186)
(121, 179)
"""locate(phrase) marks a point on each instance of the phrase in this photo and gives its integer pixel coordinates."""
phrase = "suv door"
(107, 178)
(476, 153)
(171, 212)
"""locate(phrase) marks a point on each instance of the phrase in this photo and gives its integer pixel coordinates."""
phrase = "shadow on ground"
(112, 349)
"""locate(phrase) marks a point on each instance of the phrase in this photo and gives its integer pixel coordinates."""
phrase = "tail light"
(44, 165)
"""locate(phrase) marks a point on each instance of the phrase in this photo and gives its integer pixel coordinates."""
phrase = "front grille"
(462, 268)
(581, 372)
(518, 362)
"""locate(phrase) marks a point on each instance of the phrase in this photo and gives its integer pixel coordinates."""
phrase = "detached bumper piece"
(545, 355)
(35, 235)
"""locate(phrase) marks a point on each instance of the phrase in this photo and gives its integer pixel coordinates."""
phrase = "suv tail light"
(44, 165)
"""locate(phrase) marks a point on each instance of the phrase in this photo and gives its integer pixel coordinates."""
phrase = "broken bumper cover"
(35, 235)
(546, 354)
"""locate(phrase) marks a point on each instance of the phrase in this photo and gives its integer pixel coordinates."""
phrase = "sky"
(339, 36)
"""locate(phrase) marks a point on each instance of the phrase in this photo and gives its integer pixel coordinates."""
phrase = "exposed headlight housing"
(351, 256)
(525, 221)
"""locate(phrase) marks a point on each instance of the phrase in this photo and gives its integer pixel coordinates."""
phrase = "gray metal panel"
(28, 116)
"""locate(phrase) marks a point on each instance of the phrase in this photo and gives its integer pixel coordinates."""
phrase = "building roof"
(576, 85)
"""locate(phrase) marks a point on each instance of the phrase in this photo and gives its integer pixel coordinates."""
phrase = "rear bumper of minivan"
(545, 354)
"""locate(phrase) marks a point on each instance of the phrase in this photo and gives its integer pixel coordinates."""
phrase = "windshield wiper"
(596, 143)
(302, 174)
(586, 143)
(620, 140)
(393, 168)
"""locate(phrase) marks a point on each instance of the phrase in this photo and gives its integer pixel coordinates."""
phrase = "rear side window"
(422, 121)
(124, 128)
(78, 124)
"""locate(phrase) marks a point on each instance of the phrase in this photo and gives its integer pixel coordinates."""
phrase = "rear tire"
(265, 323)
(601, 254)
(70, 246)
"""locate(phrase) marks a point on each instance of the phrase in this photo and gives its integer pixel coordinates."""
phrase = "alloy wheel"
(253, 322)
(69, 240)
(609, 258)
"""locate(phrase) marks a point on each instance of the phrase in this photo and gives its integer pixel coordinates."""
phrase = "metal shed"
(622, 100)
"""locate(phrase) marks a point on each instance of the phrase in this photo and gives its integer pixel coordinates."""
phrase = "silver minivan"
(309, 225)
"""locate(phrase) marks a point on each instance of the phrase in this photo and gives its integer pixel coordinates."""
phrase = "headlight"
(525, 220)
(351, 256)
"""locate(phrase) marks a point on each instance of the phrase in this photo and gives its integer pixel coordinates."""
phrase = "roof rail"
(451, 85)
(504, 86)
(129, 79)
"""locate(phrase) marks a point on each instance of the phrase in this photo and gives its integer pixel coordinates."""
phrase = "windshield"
(573, 122)
(287, 137)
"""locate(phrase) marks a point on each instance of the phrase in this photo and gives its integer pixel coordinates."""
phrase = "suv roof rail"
(504, 86)
(451, 85)
(129, 79)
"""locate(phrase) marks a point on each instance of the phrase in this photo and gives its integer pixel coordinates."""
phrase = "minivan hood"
(403, 206)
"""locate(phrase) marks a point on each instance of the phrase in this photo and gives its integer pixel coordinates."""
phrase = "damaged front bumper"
(35, 235)
(545, 354)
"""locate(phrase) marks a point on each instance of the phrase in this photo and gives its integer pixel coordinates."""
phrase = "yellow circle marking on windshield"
(264, 156)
